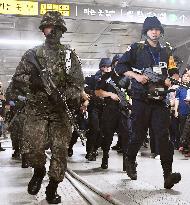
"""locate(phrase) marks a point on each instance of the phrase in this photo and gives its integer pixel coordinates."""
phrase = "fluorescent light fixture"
(20, 42)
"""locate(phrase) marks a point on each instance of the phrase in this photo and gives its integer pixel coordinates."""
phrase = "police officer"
(47, 124)
(95, 108)
(149, 110)
(114, 63)
(117, 112)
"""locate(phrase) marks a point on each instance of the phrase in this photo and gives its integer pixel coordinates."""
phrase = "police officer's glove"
(22, 98)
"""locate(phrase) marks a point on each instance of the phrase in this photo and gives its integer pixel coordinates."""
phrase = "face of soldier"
(154, 34)
(53, 34)
(106, 69)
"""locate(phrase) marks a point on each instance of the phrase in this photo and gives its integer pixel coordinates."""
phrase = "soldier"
(47, 123)
(2, 114)
(146, 64)
(16, 122)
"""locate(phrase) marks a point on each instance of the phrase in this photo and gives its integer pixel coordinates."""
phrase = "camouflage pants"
(17, 132)
(43, 133)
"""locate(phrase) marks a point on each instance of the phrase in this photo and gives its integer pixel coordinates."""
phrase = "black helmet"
(105, 62)
(53, 18)
(150, 23)
(116, 58)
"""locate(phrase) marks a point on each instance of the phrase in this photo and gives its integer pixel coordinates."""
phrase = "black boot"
(51, 192)
(16, 154)
(170, 179)
(87, 155)
(124, 162)
(70, 152)
(92, 156)
(1, 149)
(130, 167)
(24, 161)
(35, 183)
(104, 164)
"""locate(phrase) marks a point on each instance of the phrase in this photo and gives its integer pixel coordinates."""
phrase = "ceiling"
(92, 39)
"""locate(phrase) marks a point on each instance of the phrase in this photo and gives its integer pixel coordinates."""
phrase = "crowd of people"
(137, 94)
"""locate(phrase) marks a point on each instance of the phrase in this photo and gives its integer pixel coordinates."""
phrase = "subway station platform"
(113, 182)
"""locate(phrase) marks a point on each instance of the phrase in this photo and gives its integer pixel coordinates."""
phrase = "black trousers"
(115, 121)
(174, 131)
(94, 135)
(152, 114)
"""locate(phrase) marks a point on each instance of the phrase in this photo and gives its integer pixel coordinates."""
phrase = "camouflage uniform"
(16, 126)
(47, 124)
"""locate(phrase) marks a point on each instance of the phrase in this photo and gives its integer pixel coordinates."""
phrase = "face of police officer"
(53, 34)
(185, 78)
(106, 69)
(188, 71)
(154, 34)
(175, 76)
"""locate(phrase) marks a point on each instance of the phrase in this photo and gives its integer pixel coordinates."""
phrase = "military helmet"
(53, 18)
(150, 23)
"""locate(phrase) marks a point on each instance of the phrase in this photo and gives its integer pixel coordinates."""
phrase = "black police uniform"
(147, 112)
(114, 119)
(95, 108)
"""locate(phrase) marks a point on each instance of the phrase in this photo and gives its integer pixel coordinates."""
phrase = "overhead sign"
(18, 7)
(62, 8)
(95, 12)
(137, 15)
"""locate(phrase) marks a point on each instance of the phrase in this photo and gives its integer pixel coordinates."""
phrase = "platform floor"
(147, 190)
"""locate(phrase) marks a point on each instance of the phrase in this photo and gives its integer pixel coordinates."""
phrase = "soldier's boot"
(51, 192)
(35, 183)
(24, 161)
(104, 164)
(130, 167)
(170, 179)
